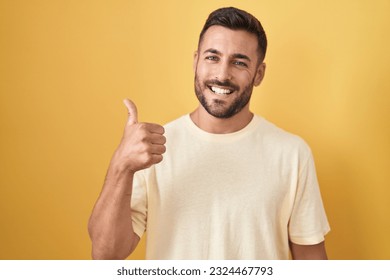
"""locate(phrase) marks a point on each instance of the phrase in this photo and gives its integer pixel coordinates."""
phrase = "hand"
(142, 144)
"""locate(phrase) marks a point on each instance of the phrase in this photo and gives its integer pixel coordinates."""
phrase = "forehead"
(229, 41)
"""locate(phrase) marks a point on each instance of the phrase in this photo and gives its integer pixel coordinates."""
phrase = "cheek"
(243, 77)
(203, 70)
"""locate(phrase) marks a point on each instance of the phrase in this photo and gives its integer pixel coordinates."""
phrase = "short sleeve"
(308, 222)
(139, 204)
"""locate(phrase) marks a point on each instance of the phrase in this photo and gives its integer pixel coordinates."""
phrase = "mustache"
(225, 83)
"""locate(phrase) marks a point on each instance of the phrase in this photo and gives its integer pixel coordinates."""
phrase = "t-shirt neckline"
(197, 131)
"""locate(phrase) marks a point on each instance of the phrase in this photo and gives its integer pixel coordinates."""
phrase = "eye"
(212, 58)
(240, 63)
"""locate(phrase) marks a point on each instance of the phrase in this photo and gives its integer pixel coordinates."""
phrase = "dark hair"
(237, 19)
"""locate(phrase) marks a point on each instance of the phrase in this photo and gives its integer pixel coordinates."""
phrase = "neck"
(211, 124)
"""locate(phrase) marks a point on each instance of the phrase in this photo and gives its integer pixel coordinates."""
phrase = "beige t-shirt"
(241, 195)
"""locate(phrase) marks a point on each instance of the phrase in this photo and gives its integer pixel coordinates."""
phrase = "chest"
(224, 177)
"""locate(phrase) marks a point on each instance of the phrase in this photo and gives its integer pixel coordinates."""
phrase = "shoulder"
(177, 127)
(176, 123)
(280, 139)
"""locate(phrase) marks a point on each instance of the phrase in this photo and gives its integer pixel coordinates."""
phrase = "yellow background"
(65, 67)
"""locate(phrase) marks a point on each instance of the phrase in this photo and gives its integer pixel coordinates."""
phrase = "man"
(231, 184)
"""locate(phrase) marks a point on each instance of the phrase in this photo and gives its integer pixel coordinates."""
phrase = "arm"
(308, 252)
(110, 225)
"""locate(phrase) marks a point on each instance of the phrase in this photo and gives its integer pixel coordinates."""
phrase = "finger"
(155, 128)
(157, 139)
(157, 158)
(132, 111)
(157, 149)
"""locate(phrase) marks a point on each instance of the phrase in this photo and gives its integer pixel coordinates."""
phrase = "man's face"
(226, 69)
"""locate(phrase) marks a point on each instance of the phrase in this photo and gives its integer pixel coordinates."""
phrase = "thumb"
(132, 111)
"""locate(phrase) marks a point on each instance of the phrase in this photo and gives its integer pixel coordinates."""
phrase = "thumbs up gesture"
(142, 144)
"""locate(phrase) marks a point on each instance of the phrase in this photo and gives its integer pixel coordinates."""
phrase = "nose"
(223, 72)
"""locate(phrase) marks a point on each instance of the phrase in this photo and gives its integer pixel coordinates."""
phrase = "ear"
(260, 74)
(195, 61)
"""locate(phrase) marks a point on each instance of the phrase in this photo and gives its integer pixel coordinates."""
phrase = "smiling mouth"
(220, 91)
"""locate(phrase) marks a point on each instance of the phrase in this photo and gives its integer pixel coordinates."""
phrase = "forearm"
(110, 226)
(308, 252)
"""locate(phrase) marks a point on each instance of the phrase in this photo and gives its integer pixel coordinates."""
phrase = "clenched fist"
(142, 144)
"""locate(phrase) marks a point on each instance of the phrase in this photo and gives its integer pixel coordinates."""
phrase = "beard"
(220, 108)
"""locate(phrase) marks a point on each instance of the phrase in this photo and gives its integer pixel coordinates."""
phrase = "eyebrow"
(235, 55)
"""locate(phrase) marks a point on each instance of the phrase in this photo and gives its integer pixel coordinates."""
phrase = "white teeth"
(218, 90)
